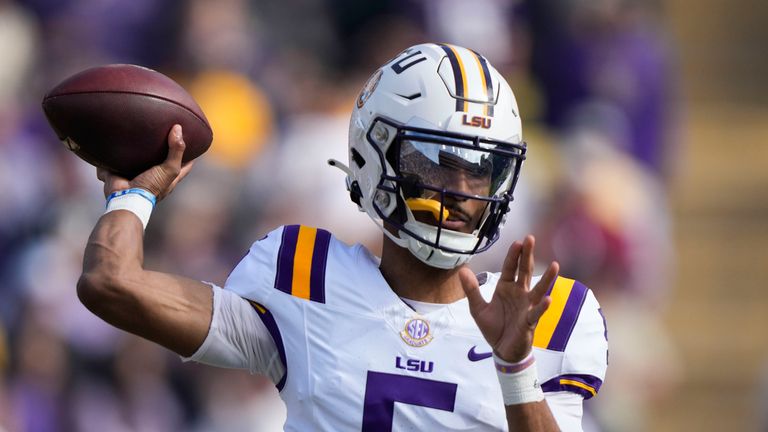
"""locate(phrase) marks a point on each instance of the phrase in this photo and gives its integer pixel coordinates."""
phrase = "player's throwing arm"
(170, 310)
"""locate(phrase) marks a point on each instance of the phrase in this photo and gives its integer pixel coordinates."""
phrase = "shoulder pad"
(291, 259)
(573, 334)
(557, 323)
(301, 262)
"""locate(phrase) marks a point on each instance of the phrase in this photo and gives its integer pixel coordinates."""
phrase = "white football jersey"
(357, 357)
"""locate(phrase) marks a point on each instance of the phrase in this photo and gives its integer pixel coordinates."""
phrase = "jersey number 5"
(382, 390)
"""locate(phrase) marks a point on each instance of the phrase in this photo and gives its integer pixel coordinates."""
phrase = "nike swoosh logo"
(475, 356)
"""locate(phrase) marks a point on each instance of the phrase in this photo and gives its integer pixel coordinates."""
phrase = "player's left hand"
(509, 319)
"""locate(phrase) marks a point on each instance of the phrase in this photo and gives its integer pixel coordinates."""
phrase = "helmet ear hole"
(357, 158)
(409, 188)
(355, 194)
(400, 209)
(392, 155)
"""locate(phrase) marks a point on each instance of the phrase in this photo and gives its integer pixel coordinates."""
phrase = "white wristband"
(134, 201)
(519, 381)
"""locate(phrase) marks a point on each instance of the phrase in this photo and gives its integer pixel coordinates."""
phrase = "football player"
(409, 341)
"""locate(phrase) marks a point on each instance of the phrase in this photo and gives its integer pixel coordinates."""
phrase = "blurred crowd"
(596, 86)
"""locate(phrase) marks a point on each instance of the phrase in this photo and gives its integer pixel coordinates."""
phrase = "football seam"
(204, 121)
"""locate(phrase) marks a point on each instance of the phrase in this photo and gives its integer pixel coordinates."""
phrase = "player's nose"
(458, 181)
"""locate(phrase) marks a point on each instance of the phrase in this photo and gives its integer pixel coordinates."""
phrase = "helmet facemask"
(444, 194)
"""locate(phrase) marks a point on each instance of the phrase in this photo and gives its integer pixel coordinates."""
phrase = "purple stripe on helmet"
(488, 82)
(284, 276)
(274, 331)
(554, 384)
(319, 261)
(568, 319)
(457, 77)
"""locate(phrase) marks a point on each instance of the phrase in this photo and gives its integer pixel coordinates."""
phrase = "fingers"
(185, 169)
(471, 290)
(538, 295)
(525, 268)
(161, 179)
(112, 182)
(538, 309)
(509, 269)
(545, 283)
(519, 263)
(176, 148)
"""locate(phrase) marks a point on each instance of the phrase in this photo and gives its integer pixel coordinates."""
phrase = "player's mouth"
(457, 221)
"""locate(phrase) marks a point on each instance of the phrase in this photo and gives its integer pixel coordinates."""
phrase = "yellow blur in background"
(238, 112)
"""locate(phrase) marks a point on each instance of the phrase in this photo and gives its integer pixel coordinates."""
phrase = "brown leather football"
(118, 117)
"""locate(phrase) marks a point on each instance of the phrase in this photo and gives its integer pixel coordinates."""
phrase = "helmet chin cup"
(434, 256)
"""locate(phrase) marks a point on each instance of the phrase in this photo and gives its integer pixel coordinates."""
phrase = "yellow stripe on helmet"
(463, 75)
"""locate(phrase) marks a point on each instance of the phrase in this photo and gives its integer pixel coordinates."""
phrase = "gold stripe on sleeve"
(548, 322)
(258, 307)
(579, 385)
(302, 262)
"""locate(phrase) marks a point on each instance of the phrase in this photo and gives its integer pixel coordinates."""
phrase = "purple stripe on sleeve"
(591, 381)
(274, 331)
(319, 260)
(568, 319)
(284, 276)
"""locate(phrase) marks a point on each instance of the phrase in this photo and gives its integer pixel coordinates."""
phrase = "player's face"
(457, 173)
(464, 214)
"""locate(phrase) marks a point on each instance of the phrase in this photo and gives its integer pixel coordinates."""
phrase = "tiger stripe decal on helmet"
(458, 76)
(465, 91)
(487, 82)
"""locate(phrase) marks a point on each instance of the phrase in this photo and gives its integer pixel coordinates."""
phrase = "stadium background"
(646, 178)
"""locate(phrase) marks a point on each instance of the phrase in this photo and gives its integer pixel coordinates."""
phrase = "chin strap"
(430, 205)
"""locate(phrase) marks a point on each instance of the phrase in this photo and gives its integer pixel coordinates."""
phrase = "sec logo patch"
(416, 332)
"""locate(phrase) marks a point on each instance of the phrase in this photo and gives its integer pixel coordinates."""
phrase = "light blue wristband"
(138, 191)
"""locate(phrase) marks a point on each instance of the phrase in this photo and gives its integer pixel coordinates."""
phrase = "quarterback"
(413, 340)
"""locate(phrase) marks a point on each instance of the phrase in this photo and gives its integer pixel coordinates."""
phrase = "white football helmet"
(435, 112)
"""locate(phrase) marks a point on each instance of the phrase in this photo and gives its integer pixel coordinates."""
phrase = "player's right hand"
(160, 180)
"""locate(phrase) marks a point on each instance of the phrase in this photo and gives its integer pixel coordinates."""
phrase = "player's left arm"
(508, 322)
(581, 353)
